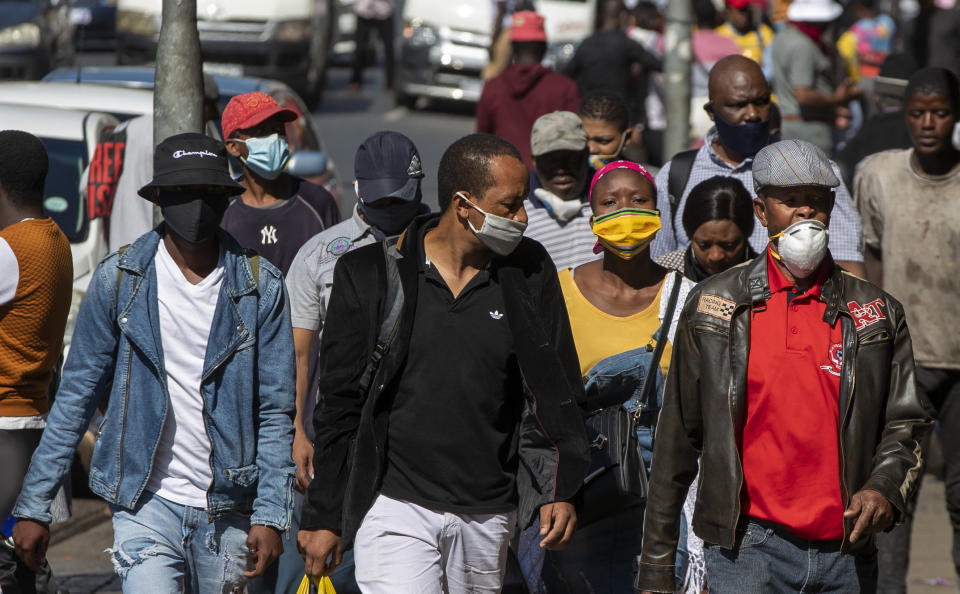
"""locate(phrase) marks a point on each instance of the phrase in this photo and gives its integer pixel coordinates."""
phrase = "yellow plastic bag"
(323, 586)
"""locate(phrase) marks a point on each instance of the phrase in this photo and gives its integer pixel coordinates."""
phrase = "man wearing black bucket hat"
(186, 337)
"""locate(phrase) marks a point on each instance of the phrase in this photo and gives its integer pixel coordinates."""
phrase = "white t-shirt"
(181, 467)
(10, 278)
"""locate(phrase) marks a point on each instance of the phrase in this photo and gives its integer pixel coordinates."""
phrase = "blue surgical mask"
(747, 139)
(267, 156)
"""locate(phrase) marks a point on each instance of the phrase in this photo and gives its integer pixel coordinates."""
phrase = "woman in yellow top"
(616, 307)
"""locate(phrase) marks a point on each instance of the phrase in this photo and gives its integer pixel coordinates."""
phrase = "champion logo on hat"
(414, 168)
(205, 165)
(201, 154)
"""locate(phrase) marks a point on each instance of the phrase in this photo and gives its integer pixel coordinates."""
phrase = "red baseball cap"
(741, 4)
(527, 26)
(249, 109)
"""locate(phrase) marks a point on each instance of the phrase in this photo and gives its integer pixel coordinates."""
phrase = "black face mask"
(391, 219)
(195, 219)
(747, 138)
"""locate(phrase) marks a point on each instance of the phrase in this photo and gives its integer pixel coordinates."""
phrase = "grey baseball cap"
(792, 163)
(557, 131)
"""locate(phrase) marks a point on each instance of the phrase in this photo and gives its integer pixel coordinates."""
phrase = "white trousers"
(404, 548)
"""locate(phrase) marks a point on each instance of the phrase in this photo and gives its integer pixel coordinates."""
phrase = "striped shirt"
(846, 232)
(569, 243)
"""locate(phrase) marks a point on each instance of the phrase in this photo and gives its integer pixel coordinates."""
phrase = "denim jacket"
(247, 388)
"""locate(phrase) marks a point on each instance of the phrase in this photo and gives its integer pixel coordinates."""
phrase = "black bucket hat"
(191, 159)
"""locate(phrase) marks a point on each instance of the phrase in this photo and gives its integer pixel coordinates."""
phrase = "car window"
(61, 198)
(299, 134)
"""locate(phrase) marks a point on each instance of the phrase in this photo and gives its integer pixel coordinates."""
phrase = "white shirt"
(373, 9)
(10, 278)
(181, 467)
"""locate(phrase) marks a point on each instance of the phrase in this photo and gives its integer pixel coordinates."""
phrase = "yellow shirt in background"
(752, 44)
(599, 335)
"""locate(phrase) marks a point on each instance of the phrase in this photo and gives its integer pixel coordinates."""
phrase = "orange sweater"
(31, 326)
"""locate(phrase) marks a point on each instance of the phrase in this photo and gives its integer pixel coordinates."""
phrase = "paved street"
(346, 118)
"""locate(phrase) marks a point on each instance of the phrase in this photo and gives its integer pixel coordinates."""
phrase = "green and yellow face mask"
(625, 232)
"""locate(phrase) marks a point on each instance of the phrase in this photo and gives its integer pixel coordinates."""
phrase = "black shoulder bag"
(617, 478)
(390, 322)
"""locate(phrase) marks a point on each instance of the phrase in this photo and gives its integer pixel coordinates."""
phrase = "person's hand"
(30, 542)
(265, 546)
(846, 92)
(842, 117)
(557, 523)
(316, 546)
(303, 458)
(873, 512)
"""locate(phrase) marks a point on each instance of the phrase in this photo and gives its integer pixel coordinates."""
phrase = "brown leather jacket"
(704, 408)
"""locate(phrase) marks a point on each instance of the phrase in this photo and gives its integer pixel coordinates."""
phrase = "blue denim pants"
(162, 547)
(767, 559)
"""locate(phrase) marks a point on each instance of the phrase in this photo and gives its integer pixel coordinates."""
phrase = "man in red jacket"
(512, 101)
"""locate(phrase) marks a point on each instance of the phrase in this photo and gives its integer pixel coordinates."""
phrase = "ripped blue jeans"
(163, 547)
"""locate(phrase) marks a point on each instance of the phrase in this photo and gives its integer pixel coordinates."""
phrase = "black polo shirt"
(452, 440)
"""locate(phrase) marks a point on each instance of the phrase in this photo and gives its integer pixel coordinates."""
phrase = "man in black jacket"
(471, 423)
(792, 383)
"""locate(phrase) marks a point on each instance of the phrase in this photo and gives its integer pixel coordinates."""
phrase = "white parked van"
(444, 45)
(280, 39)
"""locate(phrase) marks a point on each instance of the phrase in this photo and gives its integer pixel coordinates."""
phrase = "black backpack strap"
(391, 321)
(680, 167)
(646, 393)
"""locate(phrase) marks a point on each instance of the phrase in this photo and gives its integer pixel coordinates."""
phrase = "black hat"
(387, 164)
(191, 159)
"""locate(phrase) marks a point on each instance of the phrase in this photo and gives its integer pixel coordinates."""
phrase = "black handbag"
(617, 476)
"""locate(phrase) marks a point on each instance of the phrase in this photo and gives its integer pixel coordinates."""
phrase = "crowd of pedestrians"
(590, 371)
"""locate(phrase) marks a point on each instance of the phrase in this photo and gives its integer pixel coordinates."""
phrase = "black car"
(35, 37)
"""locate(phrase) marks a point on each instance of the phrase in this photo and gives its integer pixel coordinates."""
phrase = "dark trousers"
(16, 447)
(940, 391)
(384, 30)
(600, 558)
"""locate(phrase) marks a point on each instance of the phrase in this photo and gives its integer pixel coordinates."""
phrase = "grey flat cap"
(792, 163)
(557, 131)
